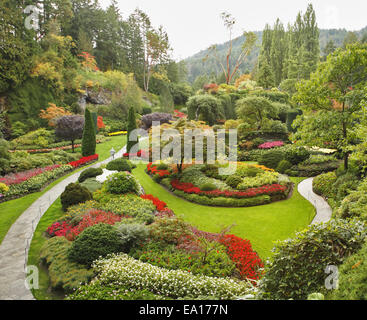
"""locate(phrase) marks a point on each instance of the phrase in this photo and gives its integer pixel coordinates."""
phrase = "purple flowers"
(271, 145)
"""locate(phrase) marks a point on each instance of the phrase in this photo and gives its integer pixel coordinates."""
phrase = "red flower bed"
(249, 193)
(92, 218)
(241, 253)
(153, 170)
(16, 178)
(160, 205)
(84, 161)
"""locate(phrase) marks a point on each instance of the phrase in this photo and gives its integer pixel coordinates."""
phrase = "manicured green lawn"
(11, 210)
(261, 225)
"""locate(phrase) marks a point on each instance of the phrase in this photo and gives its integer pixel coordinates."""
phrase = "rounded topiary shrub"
(272, 158)
(119, 165)
(233, 181)
(323, 184)
(121, 183)
(283, 166)
(94, 242)
(73, 194)
(90, 173)
(298, 265)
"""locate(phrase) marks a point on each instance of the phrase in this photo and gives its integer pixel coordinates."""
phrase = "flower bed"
(23, 183)
(84, 161)
(140, 153)
(119, 133)
(136, 275)
(270, 190)
(160, 205)
(271, 145)
(29, 182)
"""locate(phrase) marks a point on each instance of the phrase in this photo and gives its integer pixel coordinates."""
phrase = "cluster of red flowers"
(92, 218)
(16, 178)
(241, 253)
(179, 114)
(160, 205)
(59, 229)
(140, 153)
(84, 161)
(249, 193)
(153, 170)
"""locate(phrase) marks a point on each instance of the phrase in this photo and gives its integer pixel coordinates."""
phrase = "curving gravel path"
(15, 246)
(323, 210)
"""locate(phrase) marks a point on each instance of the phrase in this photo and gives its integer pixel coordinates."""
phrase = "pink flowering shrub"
(271, 145)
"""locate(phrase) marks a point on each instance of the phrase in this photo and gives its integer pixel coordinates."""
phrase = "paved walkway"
(15, 246)
(323, 210)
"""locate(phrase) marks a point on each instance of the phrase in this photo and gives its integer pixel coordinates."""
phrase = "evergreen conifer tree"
(89, 136)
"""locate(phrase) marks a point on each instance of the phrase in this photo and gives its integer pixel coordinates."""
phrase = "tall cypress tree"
(131, 125)
(89, 136)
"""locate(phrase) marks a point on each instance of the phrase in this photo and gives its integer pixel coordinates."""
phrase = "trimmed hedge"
(89, 173)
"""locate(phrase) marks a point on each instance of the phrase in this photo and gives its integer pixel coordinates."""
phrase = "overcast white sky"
(194, 25)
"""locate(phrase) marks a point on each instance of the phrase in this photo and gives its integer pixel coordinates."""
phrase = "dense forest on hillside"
(196, 67)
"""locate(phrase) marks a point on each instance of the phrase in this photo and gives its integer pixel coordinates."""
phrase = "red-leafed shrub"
(160, 205)
(153, 169)
(241, 253)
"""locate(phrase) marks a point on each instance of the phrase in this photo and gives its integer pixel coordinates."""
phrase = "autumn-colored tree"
(52, 113)
(89, 61)
(100, 123)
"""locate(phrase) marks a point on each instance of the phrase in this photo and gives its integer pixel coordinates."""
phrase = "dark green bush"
(353, 277)
(233, 181)
(74, 193)
(298, 265)
(272, 158)
(120, 165)
(283, 166)
(296, 155)
(94, 242)
(90, 173)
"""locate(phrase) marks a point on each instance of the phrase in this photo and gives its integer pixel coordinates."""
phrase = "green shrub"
(129, 205)
(94, 242)
(208, 187)
(119, 165)
(89, 136)
(353, 277)
(322, 184)
(283, 166)
(131, 126)
(233, 181)
(62, 273)
(73, 194)
(131, 235)
(248, 171)
(91, 184)
(272, 158)
(296, 155)
(297, 267)
(169, 230)
(121, 183)
(355, 204)
(90, 173)
(210, 258)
